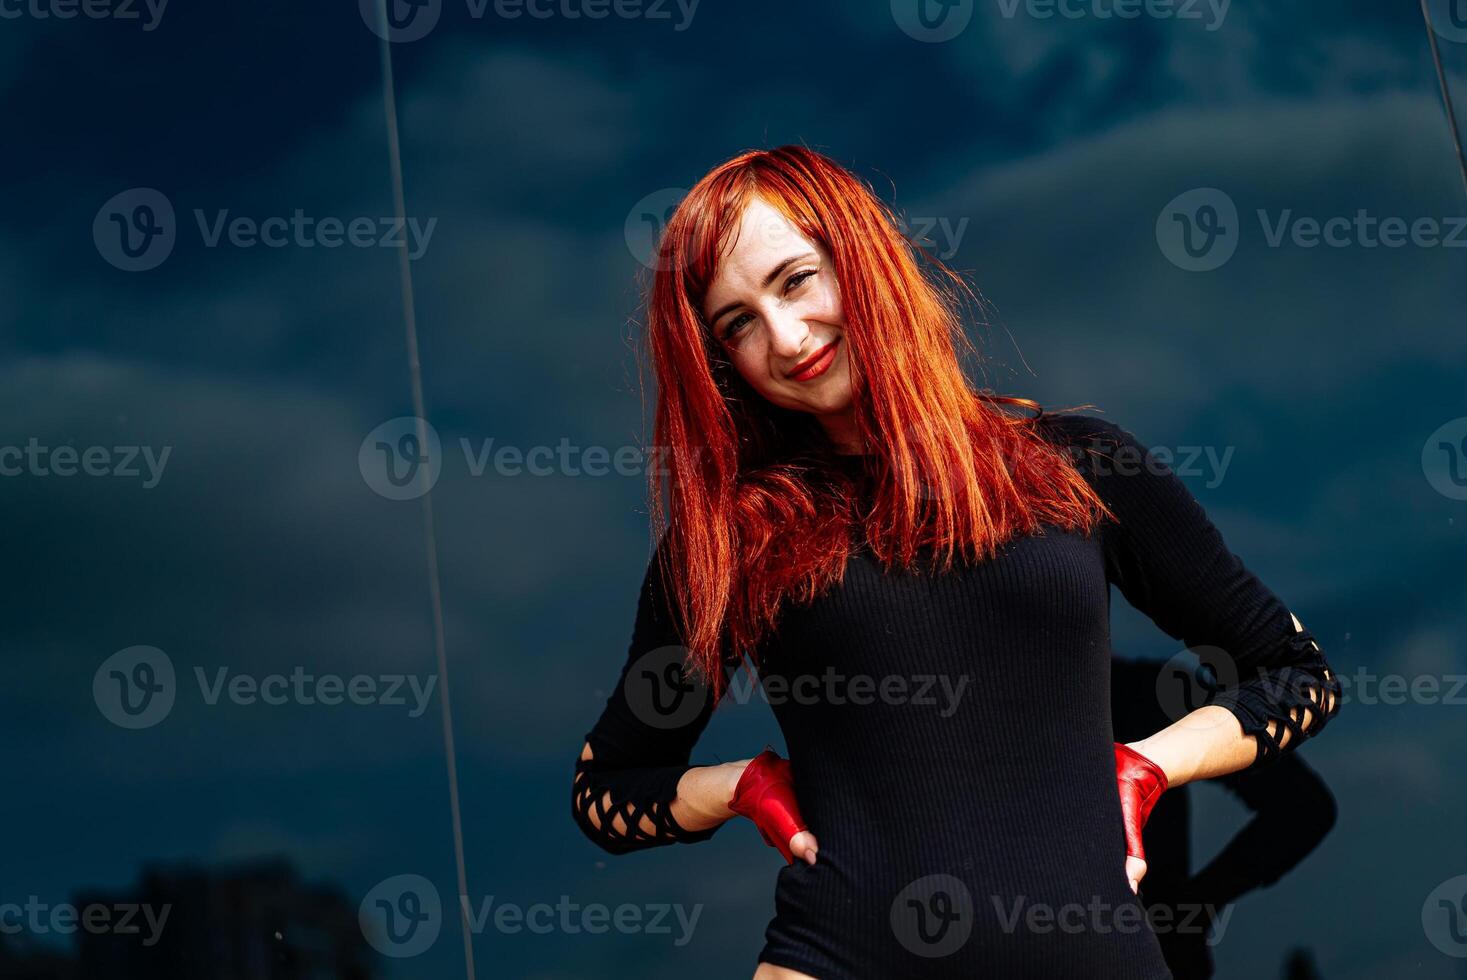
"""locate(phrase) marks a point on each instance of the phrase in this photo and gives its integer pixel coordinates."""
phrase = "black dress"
(950, 736)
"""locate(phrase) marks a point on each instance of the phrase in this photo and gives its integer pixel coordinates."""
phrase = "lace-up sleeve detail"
(627, 774)
(1170, 562)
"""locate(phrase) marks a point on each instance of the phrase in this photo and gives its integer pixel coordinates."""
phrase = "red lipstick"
(816, 364)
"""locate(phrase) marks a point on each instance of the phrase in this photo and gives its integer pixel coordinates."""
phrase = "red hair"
(754, 513)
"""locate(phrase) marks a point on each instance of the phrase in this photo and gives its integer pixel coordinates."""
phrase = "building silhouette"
(245, 922)
(27, 961)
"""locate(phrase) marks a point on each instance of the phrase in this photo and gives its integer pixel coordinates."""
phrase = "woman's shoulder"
(1082, 431)
(1101, 450)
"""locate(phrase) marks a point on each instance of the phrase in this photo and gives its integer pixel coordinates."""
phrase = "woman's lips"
(817, 365)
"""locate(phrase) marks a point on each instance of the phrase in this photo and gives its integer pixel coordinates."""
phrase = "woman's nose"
(788, 334)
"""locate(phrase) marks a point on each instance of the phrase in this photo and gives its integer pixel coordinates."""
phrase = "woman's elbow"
(590, 814)
(1314, 697)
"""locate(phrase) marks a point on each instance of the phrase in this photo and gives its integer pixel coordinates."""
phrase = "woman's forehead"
(762, 239)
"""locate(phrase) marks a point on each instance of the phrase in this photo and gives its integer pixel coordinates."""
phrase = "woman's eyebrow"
(773, 274)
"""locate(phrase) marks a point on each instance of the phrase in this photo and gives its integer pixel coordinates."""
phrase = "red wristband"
(766, 795)
(1141, 783)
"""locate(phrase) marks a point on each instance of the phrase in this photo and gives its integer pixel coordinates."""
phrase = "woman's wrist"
(703, 793)
(1204, 744)
(1156, 753)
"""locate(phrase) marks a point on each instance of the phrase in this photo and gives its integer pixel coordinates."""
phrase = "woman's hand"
(765, 793)
(1141, 783)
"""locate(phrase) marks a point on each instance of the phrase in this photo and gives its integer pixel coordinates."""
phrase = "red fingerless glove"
(766, 795)
(1141, 783)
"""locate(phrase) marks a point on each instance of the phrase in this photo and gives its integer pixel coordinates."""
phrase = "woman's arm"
(634, 787)
(700, 801)
(1170, 562)
(1210, 741)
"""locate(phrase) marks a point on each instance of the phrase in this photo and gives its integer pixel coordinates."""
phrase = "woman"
(848, 514)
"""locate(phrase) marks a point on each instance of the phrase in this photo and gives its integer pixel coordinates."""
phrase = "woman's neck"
(844, 434)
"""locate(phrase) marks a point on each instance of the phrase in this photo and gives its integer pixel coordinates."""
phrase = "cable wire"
(415, 372)
(1441, 75)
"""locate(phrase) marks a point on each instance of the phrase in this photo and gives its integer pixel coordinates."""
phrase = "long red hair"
(754, 514)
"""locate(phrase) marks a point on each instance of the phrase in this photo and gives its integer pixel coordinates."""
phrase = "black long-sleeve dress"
(964, 796)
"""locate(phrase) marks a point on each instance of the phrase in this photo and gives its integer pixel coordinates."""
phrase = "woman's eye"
(735, 326)
(798, 278)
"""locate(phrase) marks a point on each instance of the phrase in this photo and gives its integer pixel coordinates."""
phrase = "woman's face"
(774, 307)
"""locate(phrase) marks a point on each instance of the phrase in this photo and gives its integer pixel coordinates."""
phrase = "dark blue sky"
(1043, 154)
